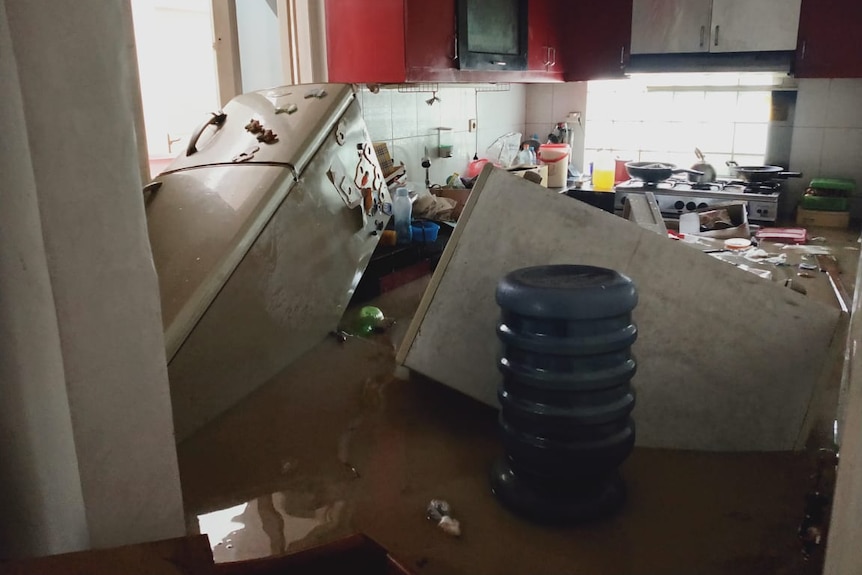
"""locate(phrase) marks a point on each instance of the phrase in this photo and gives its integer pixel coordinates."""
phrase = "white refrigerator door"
(293, 285)
(296, 118)
(201, 223)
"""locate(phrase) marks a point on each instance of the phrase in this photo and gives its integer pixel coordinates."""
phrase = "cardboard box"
(458, 194)
(541, 170)
(690, 223)
(818, 218)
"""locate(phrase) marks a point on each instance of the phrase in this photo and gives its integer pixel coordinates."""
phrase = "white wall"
(827, 134)
(40, 494)
(548, 104)
(259, 45)
(407, 124)
(87, 453)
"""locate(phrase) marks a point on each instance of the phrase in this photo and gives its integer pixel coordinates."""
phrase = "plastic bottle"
(402, 211)
(534, 161)
(604, 169)
(524, 155)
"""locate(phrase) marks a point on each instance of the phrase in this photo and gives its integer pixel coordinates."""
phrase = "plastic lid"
(736, 243)
(833, 184)
(401, 192)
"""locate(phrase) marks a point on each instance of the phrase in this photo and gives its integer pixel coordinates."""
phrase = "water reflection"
(265, 526)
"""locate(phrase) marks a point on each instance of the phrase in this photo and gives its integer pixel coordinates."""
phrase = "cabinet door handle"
(622, 56)
(716, 34)
(702, 34)
(802, 56)
(554, 57)
(455, 57)
(498, 63)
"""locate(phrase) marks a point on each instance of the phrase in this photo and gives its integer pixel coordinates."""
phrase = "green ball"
(370, 318)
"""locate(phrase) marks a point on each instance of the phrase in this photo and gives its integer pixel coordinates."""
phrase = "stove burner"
(767, 187)
(676, 196)
(735, 186)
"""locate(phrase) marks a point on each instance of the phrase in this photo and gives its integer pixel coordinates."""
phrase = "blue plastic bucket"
(425, 232)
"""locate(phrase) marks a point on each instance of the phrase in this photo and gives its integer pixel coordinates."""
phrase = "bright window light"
(664, 117)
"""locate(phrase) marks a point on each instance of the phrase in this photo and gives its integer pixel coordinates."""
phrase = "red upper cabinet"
(544, 50)
(394, 41)
(597, 39)
(365, 41)
(430, 40)
(825, 48)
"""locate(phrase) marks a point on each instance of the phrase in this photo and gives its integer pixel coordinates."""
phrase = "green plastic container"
(828, 195)
(833, 184)
(825, 203)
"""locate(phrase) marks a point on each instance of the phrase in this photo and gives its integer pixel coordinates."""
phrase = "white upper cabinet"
(754, 25)
(691, 26)
(670, 26)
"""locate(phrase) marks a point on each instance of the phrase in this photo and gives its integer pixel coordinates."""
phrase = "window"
(664, 117)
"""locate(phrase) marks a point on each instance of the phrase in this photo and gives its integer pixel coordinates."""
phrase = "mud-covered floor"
(336, 445)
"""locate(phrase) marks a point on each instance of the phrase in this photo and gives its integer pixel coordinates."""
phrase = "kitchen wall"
(259, 45)
(407, 124)
(827, 134)
(826, 130)
(548, 104)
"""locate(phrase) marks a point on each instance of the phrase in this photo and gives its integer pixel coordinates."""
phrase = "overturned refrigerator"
(260, 232)
(727, 361)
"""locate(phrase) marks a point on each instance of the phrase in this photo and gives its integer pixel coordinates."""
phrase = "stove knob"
(702, 205)
(679, 204)
(691, 206)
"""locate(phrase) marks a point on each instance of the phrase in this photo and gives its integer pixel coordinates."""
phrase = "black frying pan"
(655, 171)
(760, 173)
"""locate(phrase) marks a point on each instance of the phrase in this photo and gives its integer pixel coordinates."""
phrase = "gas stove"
(675, 197)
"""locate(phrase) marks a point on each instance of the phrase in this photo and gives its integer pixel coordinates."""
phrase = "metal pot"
(655, 171)
(760, 173)
(702, 166)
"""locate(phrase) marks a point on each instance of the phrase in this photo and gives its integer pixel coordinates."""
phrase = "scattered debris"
(795, 286)
(352, 469)
(289, 109)
(450, 526)
(339, 334)
(439, 511)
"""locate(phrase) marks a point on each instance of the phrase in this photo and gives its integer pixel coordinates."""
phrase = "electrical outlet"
(471, 125)
(574, 116)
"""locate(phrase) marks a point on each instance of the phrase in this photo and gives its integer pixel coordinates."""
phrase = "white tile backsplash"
(409, 126)
(826, 140)
(540, 104)
(845, 104)
(377, 111)
(404, 114)
(842, 152)
(811, 103)
(827, 135)
(569, 97)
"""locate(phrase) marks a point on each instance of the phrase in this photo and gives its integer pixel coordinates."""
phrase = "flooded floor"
(336, 445)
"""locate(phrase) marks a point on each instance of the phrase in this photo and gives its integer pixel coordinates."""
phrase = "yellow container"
(603, 180)
(604, 170)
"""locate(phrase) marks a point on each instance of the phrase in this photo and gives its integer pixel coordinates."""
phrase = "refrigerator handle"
(216, 119)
